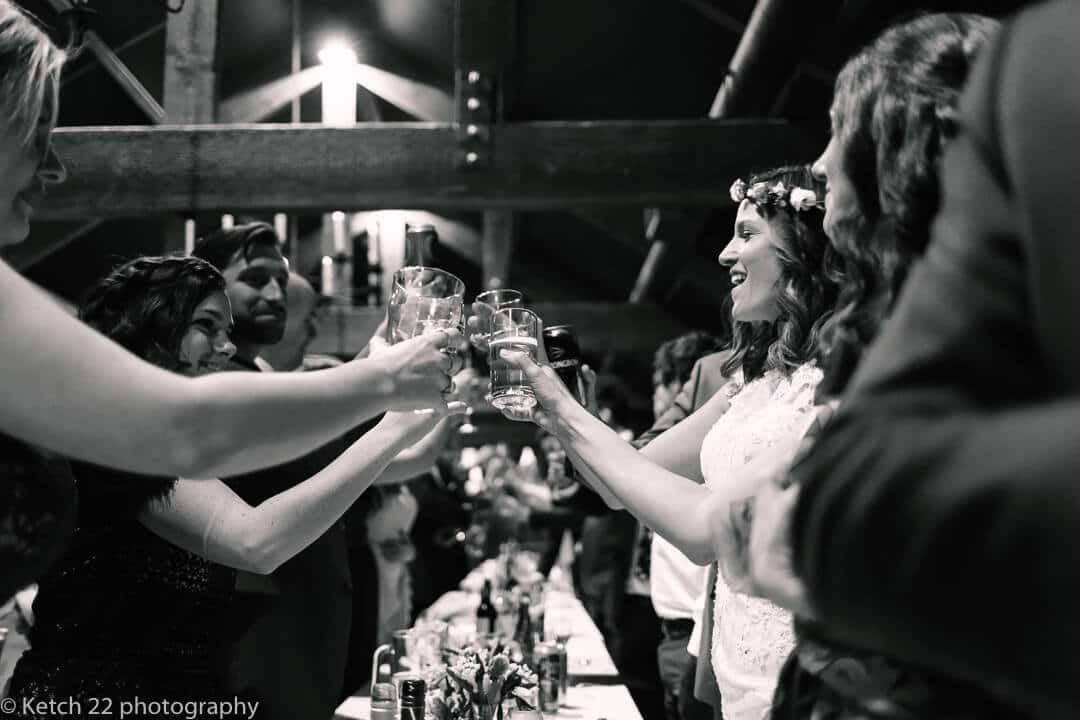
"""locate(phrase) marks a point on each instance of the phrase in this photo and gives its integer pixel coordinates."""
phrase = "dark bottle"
(420, 243)
(564, 356)
(485, 612)
(413, 695)
(524, 634)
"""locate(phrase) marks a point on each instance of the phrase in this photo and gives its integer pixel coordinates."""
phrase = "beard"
(254, 331)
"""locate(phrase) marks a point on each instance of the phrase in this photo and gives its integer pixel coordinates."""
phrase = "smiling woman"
(60, 378)
(782, 268)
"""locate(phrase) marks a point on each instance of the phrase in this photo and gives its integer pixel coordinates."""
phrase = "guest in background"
(137, 605)
(676, 585)
(303, 307)
(619, 590)
(303, 611)
(160, 422)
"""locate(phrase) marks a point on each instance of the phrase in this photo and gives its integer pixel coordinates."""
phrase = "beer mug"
(423, 299)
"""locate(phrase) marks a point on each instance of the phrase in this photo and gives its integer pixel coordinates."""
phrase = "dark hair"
(807, 284)
(145, 304)
(674, 359)
(893, 110)
(223, 246)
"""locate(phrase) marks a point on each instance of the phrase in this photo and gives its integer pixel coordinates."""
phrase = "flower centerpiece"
(476, 682)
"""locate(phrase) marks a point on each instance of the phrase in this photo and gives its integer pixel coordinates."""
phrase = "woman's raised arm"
(66, 388)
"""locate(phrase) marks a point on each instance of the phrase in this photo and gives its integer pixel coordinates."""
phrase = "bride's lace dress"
(751, 636)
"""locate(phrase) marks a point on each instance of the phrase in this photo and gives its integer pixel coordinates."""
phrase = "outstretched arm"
(674, 506)
(60, 379)
(207, 518)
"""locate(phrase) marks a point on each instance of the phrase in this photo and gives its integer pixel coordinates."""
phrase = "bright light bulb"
(337, 54)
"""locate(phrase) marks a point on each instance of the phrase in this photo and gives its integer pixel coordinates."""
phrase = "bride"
(780, 267)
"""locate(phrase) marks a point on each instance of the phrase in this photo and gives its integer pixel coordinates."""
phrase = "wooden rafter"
(132, 171)
(46, 239)
(119, 71)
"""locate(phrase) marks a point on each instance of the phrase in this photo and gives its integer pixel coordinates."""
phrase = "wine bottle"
(485, 613)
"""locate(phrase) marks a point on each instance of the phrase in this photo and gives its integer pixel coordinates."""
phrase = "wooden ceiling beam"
(136, 171)
(767, 54)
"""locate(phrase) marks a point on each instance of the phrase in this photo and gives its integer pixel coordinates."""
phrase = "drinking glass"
(486, 305)
(424, 299)
(512, 329)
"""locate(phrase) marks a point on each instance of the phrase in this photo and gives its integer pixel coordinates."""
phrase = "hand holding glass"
(512, 329)
(424, 299)
(485, 306)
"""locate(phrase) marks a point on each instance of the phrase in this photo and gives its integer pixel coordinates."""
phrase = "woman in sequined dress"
(59, 379)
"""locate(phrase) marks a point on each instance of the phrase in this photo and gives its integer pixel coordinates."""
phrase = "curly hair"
(674, 359)
(894, 108)
(145, 304)
(808, 286)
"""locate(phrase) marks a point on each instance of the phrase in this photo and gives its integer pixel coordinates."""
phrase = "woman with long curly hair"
(779, 262)
(894, 110)
(136, 605)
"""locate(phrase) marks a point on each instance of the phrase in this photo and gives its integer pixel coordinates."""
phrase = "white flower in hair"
(738, 191)
(803, 199)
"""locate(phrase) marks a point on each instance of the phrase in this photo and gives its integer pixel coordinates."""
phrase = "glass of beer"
(512, 328)
(424, 299)
(486, 305)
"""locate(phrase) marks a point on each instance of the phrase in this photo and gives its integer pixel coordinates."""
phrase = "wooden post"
(190, 63)
(484, 33)
(190, 87)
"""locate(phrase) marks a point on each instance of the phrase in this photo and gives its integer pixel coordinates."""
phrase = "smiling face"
(257, 289)
(205, 346)
(754, 266)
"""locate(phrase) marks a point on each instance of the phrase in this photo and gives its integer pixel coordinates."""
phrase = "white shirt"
(676, 582)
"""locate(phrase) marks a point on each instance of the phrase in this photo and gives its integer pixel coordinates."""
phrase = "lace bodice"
(751, 636)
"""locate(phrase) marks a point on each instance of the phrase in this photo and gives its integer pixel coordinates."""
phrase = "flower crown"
(778, 194)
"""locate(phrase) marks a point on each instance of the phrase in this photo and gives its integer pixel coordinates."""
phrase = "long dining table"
(594, 692)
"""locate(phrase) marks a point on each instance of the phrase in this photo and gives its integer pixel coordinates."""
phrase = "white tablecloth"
(587, 658)
(584, 702)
